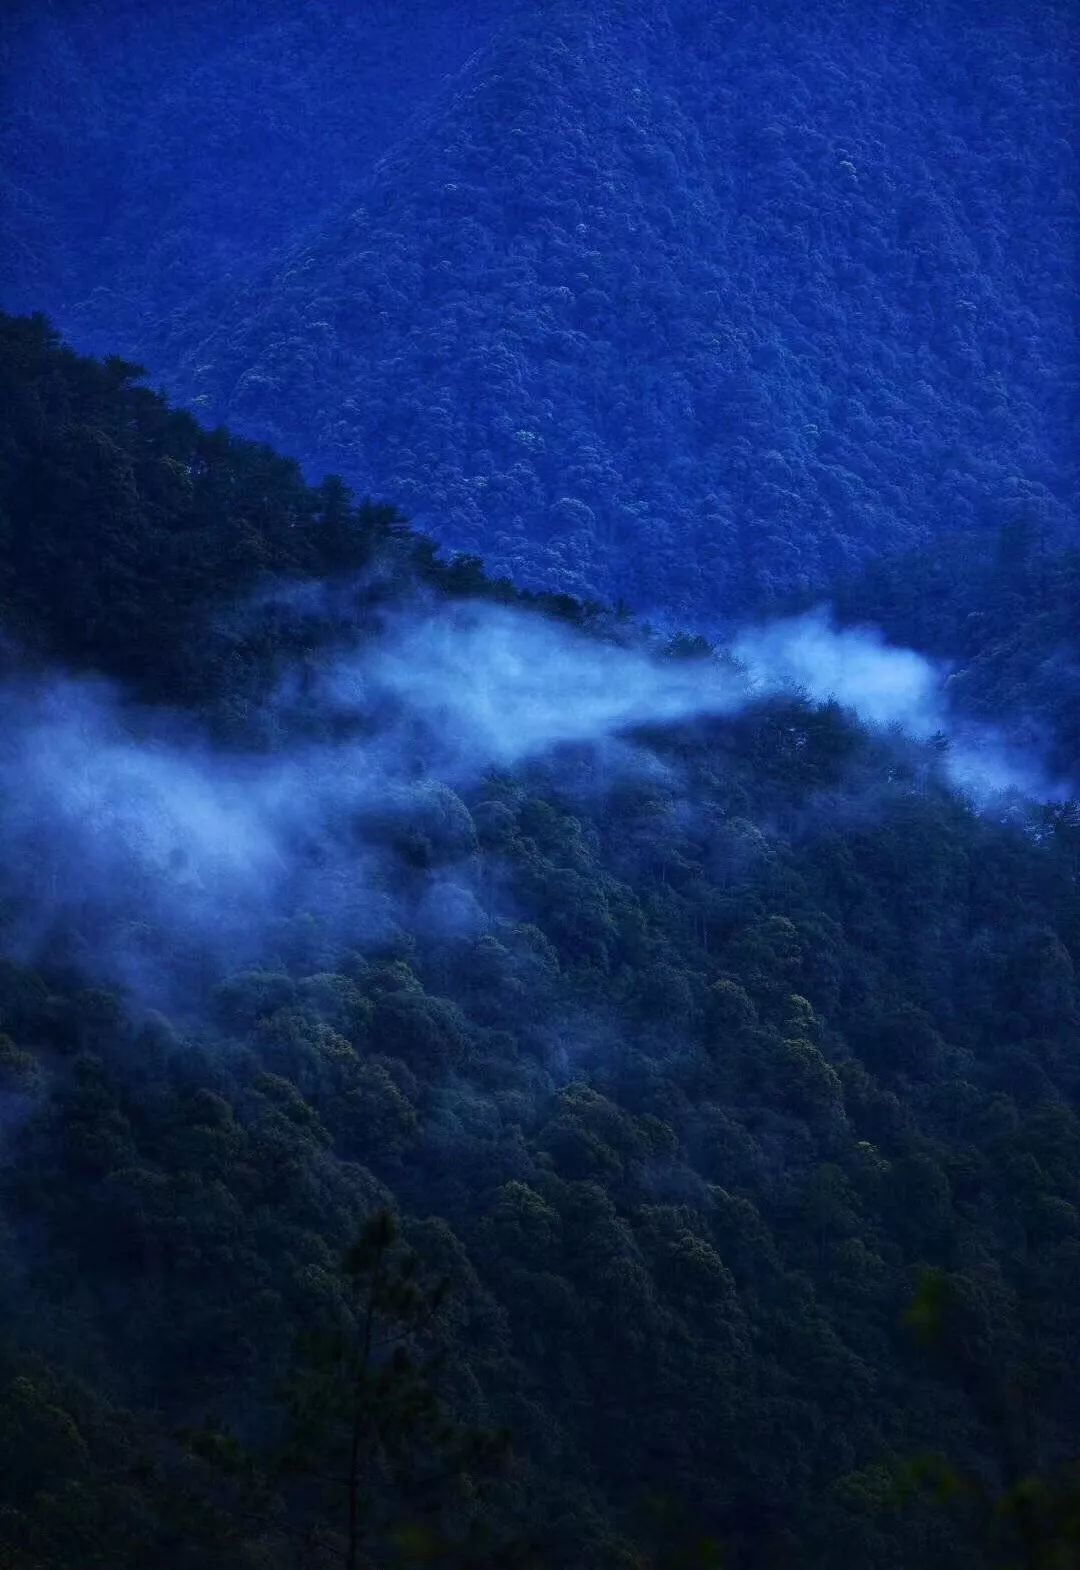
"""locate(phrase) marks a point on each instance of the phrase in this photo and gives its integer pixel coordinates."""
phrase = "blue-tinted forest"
(678, 303)
(526, 1040)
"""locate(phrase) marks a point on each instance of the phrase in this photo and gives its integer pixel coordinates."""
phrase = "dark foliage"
(748, 1044)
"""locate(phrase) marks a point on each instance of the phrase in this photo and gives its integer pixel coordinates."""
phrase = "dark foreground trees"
(683, 1062)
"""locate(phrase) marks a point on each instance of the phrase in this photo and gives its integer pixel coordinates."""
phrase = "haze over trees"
(539, 851)
(722, 1072)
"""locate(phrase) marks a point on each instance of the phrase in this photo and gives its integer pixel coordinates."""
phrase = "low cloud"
(495, 686)
(888, 686)
(116, 821)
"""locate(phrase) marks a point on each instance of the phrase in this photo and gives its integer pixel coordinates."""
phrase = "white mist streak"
(497, 686)
(887, 686)
(134, 817)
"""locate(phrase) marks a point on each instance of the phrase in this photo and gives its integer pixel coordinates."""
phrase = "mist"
(883, 684)
(889, 687)
(135, 817)
(493, 686)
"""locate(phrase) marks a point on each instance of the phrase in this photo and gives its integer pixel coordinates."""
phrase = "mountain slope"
(708, 1051)
(214, 133)
(684, 306)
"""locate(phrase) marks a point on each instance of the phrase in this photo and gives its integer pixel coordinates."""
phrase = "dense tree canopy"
(725, 1084)
(681, 303)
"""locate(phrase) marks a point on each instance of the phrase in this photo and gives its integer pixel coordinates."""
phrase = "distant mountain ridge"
(679, 305)
(211, 136)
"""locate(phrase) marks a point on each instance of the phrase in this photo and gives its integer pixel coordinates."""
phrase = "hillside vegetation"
(670, 302)
(723, 1068)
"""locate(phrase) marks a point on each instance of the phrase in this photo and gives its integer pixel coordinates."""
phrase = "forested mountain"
(196, 129)
(673, 302)
(716, 1054)
(564, 1053)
